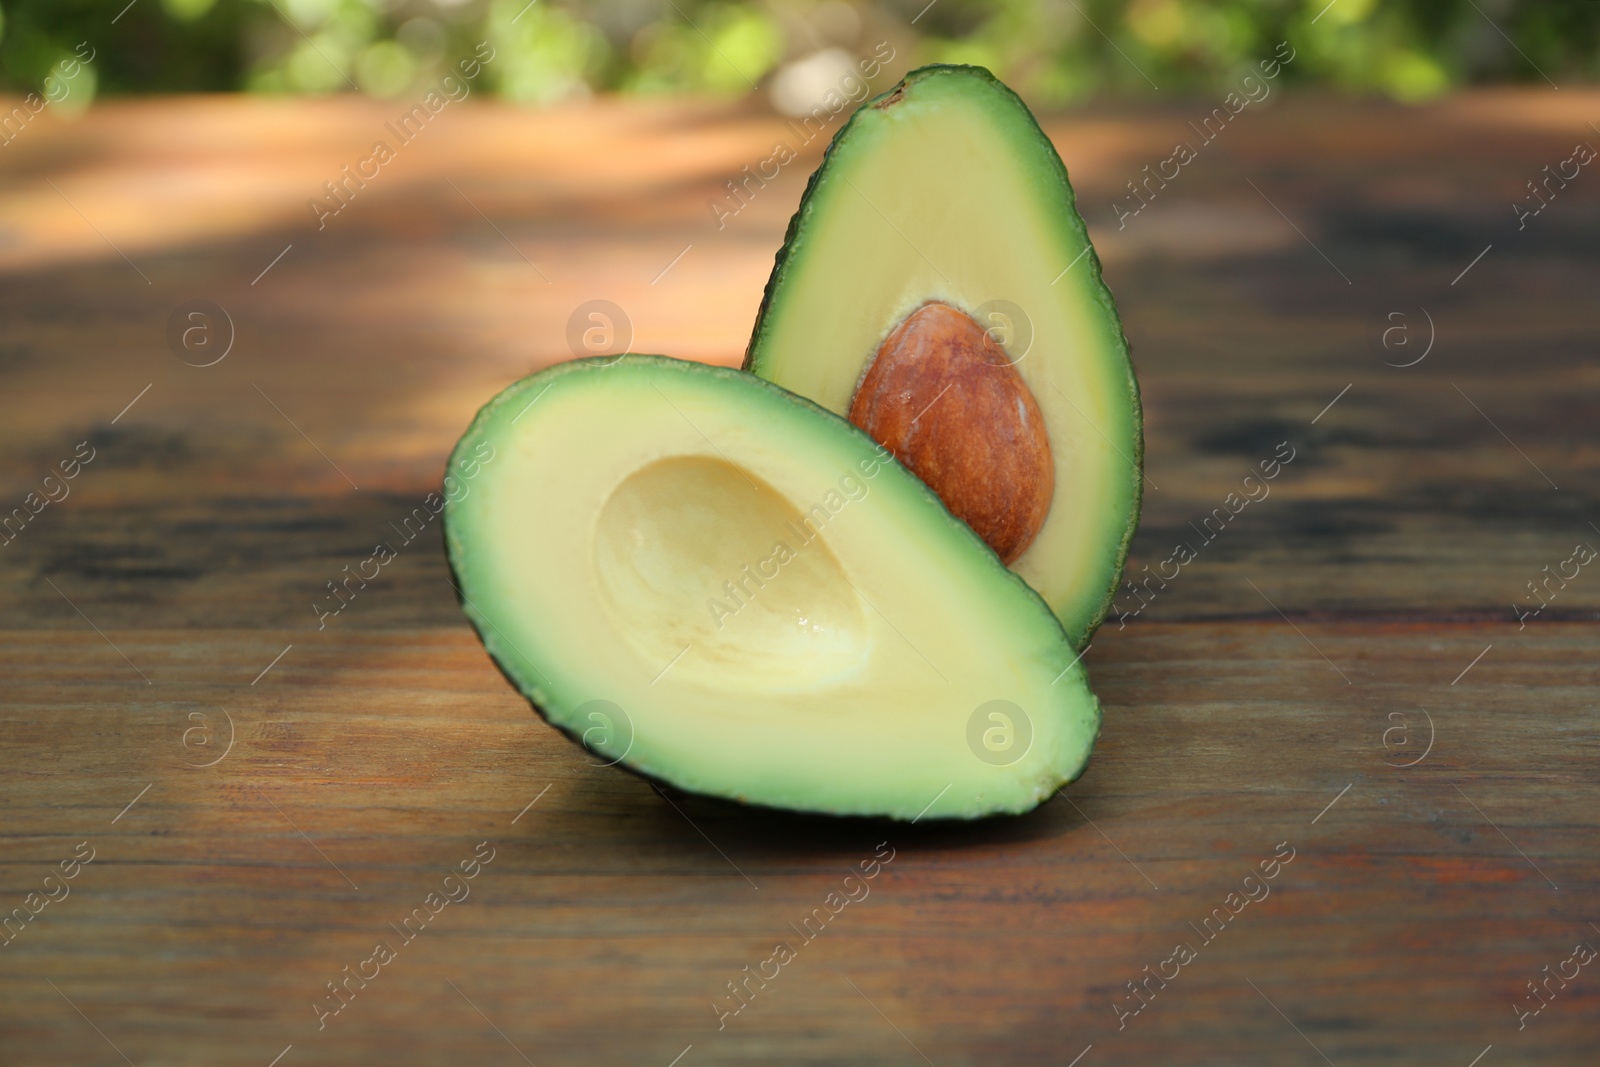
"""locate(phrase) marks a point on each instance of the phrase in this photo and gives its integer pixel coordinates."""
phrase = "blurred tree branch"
(1053, 51)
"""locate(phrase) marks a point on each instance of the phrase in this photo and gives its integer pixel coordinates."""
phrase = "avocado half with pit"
(724, 587)
(937, 287)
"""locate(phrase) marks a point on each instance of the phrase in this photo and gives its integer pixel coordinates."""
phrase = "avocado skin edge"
(781, 260)
(656, 781)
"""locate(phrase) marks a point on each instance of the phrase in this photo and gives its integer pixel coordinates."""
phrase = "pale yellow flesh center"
(694, 553)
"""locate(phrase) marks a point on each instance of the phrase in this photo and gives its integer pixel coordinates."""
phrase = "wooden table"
(1341, 673)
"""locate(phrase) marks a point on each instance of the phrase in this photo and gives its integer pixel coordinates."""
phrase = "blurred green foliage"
(1053, 51)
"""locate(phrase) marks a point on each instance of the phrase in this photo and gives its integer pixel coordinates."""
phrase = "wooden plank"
(363, 352)
(367, 765)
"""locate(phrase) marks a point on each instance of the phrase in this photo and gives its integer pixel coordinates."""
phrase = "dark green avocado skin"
(781, 262)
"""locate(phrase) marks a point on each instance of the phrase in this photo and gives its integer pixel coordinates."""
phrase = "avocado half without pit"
(938, 288)
(856, 580)
(724, 587)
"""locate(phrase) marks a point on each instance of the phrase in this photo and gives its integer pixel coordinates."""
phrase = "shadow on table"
(772, 834)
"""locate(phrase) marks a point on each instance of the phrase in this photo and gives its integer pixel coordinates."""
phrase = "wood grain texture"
(376, 753)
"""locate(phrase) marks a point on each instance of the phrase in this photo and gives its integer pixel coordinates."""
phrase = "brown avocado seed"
(944, 397)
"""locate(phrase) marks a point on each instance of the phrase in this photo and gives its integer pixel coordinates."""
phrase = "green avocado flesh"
(724, 587)
(945, 189)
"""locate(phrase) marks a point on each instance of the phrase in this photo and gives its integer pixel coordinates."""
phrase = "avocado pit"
(943, 396)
